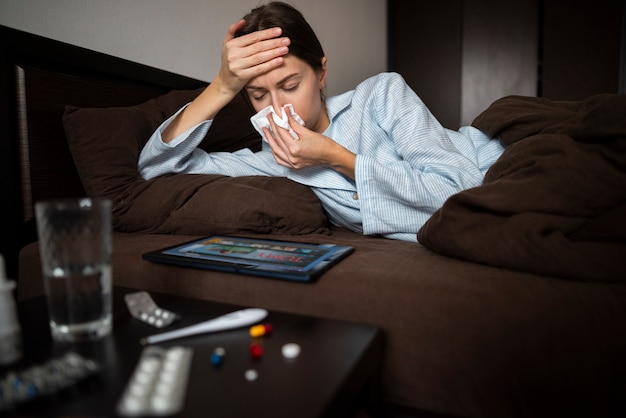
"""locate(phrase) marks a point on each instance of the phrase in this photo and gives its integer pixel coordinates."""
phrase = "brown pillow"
(106, 142)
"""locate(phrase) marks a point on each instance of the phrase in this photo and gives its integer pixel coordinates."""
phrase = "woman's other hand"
(308, 150)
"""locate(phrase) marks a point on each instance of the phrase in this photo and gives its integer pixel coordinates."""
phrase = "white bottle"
(10, 334)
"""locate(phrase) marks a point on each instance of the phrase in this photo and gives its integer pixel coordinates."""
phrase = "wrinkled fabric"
(555, 202)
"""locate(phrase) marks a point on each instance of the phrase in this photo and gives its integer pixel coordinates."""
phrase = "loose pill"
(217, 358)
(251, 375)
(291, 350)
(256, 351)
(260, 330)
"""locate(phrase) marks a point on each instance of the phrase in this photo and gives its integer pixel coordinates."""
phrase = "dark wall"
(460, 55)
(425, 47)
(581, 48)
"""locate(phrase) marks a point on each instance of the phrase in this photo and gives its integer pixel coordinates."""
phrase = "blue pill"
(217, 358)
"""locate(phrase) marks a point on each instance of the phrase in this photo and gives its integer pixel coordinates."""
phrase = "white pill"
(291, 350)
(138, 391)
(251, 375)
(160, 404)
(149, 365)
(133, 405)
(163, 388)
(168, 376)
(175, 353)
(143, 378)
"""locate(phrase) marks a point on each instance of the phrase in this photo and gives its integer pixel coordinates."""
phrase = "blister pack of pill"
(142, 306)
(158, 384)
(45, 379)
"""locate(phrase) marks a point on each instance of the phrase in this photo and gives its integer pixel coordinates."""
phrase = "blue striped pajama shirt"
(407, 164)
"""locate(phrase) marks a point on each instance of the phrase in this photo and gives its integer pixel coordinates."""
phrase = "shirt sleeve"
(182, 155)
(398, 195)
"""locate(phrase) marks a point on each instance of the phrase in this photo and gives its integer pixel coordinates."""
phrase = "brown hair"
(304, 43)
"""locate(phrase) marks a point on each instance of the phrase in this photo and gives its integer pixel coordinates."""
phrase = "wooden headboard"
(39, 77)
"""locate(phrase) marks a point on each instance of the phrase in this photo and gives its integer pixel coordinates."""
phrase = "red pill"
(256, 351)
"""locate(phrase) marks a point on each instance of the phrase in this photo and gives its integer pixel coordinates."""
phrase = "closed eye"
(291, 88)
(256, 93)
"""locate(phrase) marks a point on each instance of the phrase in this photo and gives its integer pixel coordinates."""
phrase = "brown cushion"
(106, 142)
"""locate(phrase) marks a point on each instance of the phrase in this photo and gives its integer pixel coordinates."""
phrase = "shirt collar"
(336, 104)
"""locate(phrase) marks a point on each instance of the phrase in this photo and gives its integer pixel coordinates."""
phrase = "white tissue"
(259, 121)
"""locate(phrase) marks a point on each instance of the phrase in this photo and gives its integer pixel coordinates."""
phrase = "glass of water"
(75, 247)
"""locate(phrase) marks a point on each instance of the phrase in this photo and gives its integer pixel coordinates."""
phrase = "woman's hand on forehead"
(251, 55)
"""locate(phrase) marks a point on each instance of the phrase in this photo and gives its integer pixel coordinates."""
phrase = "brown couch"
(462, 338)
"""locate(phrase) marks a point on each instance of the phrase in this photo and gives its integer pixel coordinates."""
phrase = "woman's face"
(293, 82)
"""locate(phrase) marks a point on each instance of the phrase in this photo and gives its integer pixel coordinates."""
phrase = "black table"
(336, 373)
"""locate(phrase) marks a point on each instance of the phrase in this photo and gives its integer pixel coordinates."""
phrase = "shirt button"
(355, 196)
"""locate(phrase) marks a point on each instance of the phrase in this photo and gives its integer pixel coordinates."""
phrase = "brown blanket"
(555, 202)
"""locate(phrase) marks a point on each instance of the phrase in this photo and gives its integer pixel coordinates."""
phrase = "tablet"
(258, 257)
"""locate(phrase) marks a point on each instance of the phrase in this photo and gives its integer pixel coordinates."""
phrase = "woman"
(378, 160)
